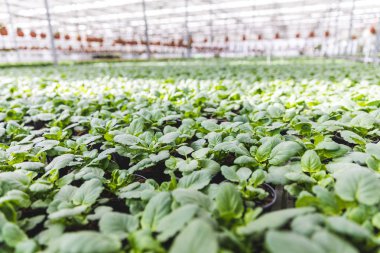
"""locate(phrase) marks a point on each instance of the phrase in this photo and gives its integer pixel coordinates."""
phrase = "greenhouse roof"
(203, 17)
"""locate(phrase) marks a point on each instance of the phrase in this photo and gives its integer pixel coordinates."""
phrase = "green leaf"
(376, 220)
(12, 234)
(126, 139)
(231, 147)
(244, 173)
(352, 137)
(243, 160)
(229, 202)
(136, 127)
(288, 242)
(263, 152)
(60, 162)
(273, 220)
(197, 237)
(332, 243)
(169, 137)
(310, 161)
(143, 241)
(200, 153)
(16, 180)
(283, 152)
(358, 184)
(300, 178)
(187, 165)
(363, 120)
(327, 145)
(186, 196)
(257, 178)
(230, 174)
(44, 116)
(329, 201)
(210, 125)
(277, 174)
(32, 166)
(307, 224)
(17, 197)
(173, 222)
(119, 224)
(373, 163)
(157, 208)
(67, 212)
(374, 150)
(26, 246)
(88, 193)
(275, 111)
(214, 139)
(184, 150)
(348, 228)
(85, 242)
(195, 181)
(337, 167)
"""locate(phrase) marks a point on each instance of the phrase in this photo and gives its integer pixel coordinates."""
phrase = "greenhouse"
(192, 126)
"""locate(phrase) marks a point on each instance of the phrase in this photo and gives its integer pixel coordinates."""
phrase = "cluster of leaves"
(160, 157)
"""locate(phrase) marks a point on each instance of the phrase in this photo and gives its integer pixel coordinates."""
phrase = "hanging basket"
(79, 38)
(67, 37)
(298, 35)
(43, 35)
(327, 34)
(180, 43)
(33, 34)
(277, 36)
(259, 37)
(119, 41)
(354, 37)
(19, 32)
(312, 34)
(372, 30)
(57, 36)
(226, 39)
(3, 31)
(243, 38)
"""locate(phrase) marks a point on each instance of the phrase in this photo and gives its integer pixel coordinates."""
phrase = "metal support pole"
(377, 45)
(188, 37)
(328, 40)
(51, 35)
(211, 25)
(211, 44)
(336, 25)
(350, 28)
(12, 32)
(148, 54)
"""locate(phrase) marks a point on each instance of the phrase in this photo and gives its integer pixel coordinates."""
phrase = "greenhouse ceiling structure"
(187, 27)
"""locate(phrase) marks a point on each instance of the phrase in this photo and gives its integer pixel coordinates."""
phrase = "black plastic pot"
(338, 139)
(218, 178)
(156, 172)
(139, 178)
(96, 146)
(38, 124)
(272, 193)
(284, 199)
(122, 161)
